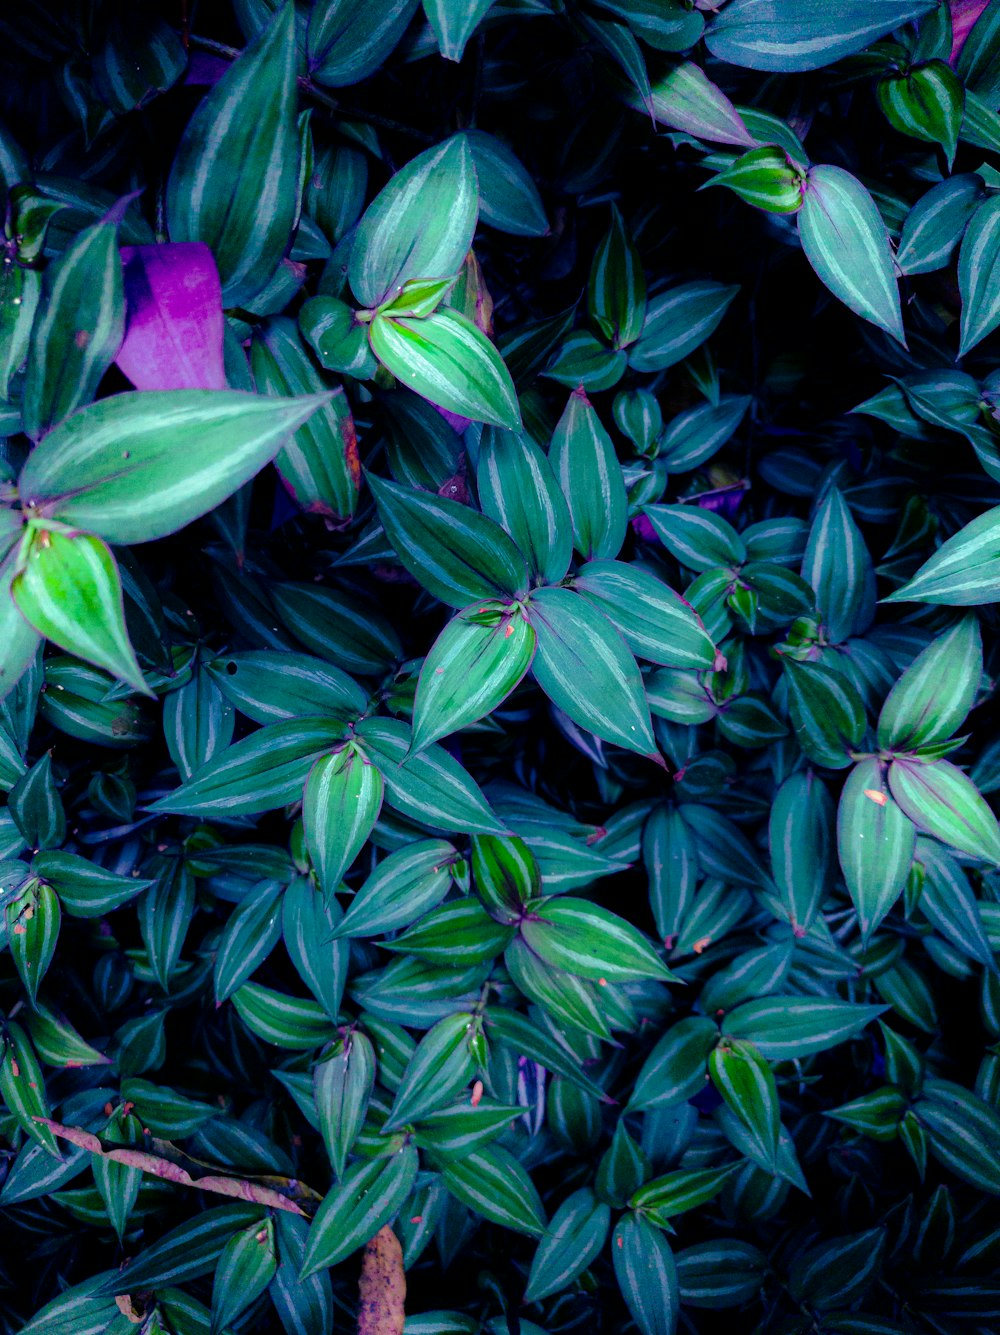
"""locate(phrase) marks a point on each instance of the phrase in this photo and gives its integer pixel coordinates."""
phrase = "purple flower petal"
(454, 421)
(174, 321)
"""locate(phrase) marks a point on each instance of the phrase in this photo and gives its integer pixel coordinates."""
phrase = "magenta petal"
(173, 320)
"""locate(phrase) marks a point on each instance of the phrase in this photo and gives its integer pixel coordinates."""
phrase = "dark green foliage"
(550, 811)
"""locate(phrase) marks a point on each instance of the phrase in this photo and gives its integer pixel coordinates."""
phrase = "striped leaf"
(186, 1252)
(518, 489)
(839, 568)
(801, 836)
(616, 294)
(722, 1273)
(926, 103)
(785, 1028)
(693, 437)
(677, 1192)
(493, 1184)
(234, 179)
(342, 1086)
(347, 41)
(964, 571)
(22, 1087)
(584, 667)
(252, 932)
(826, 712)
(340, 805)
(458, 933)
(979, 275)
(700, 539)
(446, 359)
(508, 197)
(846, 242)
(353, 1211)
(33, 919)
(247, 1265)
(308, 921)
(472, 667)
(576, 1235)
(678, 321)
(456, 553)
(69, 590)
(746, 1083)
(963, 1131)
(803, 34)
(420, 226)
(138, 466)
(765, 177)
(686, 99)
(404, 886)
(198, 722)
(288, 1022)
(260, 773)
(587, 940)
(937, 222)
(875, 842)
(431, 787)
(646, 1274)
(318, 463)
(442, 1065)
(587, 468)
(270, 686)
(656, 623)
(931, 699)
(77, 330)
(453, 22)
(942, 801)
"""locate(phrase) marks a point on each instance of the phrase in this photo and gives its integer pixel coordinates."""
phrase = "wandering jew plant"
(499, 545)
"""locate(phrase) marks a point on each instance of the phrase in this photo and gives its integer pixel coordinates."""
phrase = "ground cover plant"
(500, 535)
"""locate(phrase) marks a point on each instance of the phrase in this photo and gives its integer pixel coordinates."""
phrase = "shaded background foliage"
(743, 1053)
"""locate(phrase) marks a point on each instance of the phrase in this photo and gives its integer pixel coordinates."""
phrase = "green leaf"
(826, 712)
(508, 197)
(785, 1028)
(260, 773)
(319, 462)
(584, 667)
(445, 358)
(963, 572)
(459, 934)
(234, 180)
(340, 805)
(472, 667)
(342, 1086)
(646, 1275)
(22, 1087)
(931, 699)
(271, 686)
(656, 623)
(846, 242)
(686, 99)
(518, 489)
(198, 722)
(803, 34)
(456, 553)
(800, 833)
(441, 1067)
(927, 103)
(493, 1184)
(33, 918)
(431, 787)
(978, 269)
(587, 468)
(308, 919)
(403, 887)
(963, 1131)
(875, 841)
(77, 330)
(700, 539)
(20, 292)
(287, 1022)
(245, 1268)
(338, 627)
(420, 226)
(695, 436)
(304, 1306)
(944, 802)
(936, 223)
(354, 1210)
(571, 1001)
(576, 1235)
(84, 889)
(678, 321)
(587, 940)
(57, 1042)
(338, 340)
(252, 932)
(674, 1193)
(453, 22)
(722, 1273)
(521, 1035)
(617, 289)
(69, 590)
(138, 466)
(505, 873)
(839, 568)
(746, 1083)
(347, 41)
(186, 1252)
(765, 177)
